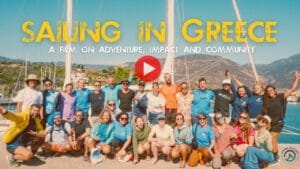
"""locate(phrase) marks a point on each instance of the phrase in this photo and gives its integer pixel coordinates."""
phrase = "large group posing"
(169, 121)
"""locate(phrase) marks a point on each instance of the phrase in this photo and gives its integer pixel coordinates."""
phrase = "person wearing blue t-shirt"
(202, 101)
(122, 136)
(240, 102)
(111, 89)
(255, 99)
(101, 134)
(205, 139)
(82, 98)
(50, 99)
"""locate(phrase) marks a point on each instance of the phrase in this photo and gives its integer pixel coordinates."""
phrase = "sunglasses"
(184, 87)
(48, 84)
(243, 117)
(263, 120)
(125, 83)
(123, 118)
(202, 118)
(161, 119)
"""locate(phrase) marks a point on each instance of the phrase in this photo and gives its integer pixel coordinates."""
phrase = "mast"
(68, 62)
(169, 61)
(237, 13)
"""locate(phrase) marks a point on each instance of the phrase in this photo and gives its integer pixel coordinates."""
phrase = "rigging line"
(292, 127)
(294, 134)
(237, 13)
(289, 131)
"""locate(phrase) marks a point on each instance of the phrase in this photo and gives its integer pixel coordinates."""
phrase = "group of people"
(131, 125)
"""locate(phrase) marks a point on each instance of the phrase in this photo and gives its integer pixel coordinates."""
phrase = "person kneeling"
(80, 130)
(60, 136)
(140, 141)
(121, 141)
(22, 132)
(101, 134)
(161, 138)
(183, 137)
(204, 140)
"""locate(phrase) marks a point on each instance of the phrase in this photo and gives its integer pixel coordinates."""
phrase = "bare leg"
(154, 149)
(22, 153)
(275, 141)
(184, 150)
(167, 150)
(147, 147)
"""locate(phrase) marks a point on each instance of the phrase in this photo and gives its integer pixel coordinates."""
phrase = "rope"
(237, 13)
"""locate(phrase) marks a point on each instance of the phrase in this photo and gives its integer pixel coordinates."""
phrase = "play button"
(147, 68)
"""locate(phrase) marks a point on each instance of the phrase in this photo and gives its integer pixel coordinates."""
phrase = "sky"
(128, 13)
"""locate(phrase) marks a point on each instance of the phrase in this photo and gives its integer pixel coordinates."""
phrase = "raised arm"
(294, 86)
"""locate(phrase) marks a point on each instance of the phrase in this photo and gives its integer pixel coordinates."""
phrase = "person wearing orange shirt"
(169, 90)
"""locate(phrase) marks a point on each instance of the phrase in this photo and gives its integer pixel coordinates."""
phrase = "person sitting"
(22, 132)
(80, 130)
(204, 138)
(222, 149)
(101, 134)
(60, 136)
(261, 153)
(161, 138)
(244, 130)
(183, 138)
(140, 139)
(122, 137)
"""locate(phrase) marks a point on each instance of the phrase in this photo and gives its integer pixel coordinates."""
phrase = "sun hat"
(32, 77)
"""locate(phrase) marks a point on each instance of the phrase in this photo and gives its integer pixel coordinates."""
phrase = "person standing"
(97, 102)
(202, 101)
(125, 97)
(140, 102)
(274, 106)
(156, 104)
(67, 103)
(224, 97)
(111, 89)
(184, 99)
(82, 98)
(255, 99)
(50, 100)
(169, 90)
(30, 95)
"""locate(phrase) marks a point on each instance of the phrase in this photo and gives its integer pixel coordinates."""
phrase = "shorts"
(115, 142)
(11, 147)
(170, 116)
(277, 127)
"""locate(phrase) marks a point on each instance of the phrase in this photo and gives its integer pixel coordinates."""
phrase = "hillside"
(280, 72)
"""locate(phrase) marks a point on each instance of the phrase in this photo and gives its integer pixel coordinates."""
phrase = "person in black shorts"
(274, 106)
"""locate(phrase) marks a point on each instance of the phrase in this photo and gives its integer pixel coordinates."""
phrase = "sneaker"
(276, 159)
(11, 160)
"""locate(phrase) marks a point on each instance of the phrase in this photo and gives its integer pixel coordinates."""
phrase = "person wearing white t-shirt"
(29, 95)
(156, 104)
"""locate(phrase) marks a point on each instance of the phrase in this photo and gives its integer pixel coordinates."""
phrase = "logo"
(289, 154)
(147, 68)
